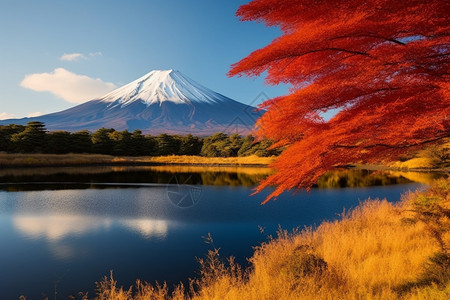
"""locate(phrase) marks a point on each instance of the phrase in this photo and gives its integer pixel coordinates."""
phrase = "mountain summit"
(162, 101)
(163, 85)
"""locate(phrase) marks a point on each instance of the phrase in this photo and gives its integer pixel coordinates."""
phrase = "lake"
(64, 229)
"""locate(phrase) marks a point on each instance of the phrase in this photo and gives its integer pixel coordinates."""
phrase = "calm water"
(68, 227)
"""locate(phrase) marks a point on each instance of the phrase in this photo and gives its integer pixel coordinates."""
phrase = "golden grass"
(184, 159)
(431, 157)
(416, 163)
(247, 170)
(216, 168)
(379, 250)
(19, 159)
(40, 160)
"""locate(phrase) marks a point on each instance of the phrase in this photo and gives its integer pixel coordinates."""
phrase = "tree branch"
(392, 146)
(355, 52)
(372, 35)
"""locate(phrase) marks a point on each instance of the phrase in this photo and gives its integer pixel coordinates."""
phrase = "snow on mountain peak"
(163, 85)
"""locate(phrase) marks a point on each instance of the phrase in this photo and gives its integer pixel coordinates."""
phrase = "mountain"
(162, 101)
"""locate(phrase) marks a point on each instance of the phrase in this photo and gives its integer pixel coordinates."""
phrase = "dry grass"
(377, 251)
(416, 163)
(12, 160)
(41, 160)
(431, 157)
(184, 159)
(251, 171)
(216, 168)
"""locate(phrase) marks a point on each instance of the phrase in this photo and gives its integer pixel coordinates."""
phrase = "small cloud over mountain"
(78, 56)
(4, 116)
(34, 114)
(95, 54)
(66, 85)
(72, 56)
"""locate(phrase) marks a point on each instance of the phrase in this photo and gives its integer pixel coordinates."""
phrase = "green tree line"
(34, 138)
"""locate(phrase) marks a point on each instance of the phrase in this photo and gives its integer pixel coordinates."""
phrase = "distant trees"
(59, 142)
(167, 144)
(222, 145)
(215, 145)
(190, 145)
(6, 132)
(102, 141)
(33, 138)
(81, 142)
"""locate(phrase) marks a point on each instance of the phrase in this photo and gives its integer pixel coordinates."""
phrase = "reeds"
(43, 160)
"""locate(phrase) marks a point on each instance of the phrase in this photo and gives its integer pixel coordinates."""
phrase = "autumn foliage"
(382, 65)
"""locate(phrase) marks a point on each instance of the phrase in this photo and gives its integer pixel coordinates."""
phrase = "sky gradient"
(55, 54)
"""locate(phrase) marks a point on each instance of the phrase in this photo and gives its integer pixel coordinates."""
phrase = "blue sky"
(57, 53)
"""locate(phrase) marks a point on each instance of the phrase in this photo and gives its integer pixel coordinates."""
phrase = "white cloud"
(4, 116)
(95, 54)
(78, 56)
(69, 86)
(34, 114)
(72, 56)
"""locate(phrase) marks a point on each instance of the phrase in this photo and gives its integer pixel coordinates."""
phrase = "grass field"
(379, 250)
(42, 160)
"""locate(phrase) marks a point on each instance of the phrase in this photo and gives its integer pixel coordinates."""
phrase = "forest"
(34, 138)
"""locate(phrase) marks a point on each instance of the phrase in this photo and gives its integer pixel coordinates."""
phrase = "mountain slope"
(158, 102)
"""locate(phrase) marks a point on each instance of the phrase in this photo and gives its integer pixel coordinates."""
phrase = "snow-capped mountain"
(162, 101)
(160, 86)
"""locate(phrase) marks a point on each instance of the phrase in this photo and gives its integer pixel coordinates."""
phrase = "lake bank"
(398, 168)
(379, 250)
(8, 160)
(64, 160)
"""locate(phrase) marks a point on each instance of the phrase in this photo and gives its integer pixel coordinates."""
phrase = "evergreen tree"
(58, 142)
(32, 139)
(81, 142)
(122, 142)
(101, 141)
(246, 147)
(213, 145)
(235, 144)
(6, 132)
(138, 144)
(167, 144)
(190, 145)
(151, 146)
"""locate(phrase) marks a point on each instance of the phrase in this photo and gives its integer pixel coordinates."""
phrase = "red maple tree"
(382, 65)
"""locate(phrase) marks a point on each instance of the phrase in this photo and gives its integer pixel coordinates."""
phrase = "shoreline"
(23, 161)
(97, 160)
(371, 167)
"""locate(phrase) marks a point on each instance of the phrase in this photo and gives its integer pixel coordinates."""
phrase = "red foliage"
(383, 64)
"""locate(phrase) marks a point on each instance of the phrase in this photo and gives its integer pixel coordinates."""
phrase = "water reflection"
(57, 227)
(38, 179)
(359, 178)
(147, 228)
(13, 180)
(422, 177)
(365, 178)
